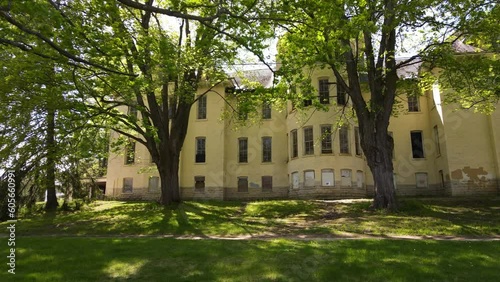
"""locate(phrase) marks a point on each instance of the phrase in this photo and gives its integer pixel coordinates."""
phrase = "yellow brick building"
(438, 151)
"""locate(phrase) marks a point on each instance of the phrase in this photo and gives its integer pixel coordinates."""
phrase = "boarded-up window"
(242, 184)
(309, 178)
(327, 177)
(127, 185)
(421, 179)
(267, 183)
(199, 183)
(295, 180)
(154, 184)
(345, 178)
(360, 179)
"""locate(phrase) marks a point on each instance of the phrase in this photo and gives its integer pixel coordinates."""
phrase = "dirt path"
(343, 236)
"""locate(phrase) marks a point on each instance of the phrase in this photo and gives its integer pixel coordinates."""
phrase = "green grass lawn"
(82, 257)
(167, 259)
(435, 217)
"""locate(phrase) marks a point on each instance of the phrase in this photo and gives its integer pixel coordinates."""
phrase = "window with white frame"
(413, 105)
(324, 91)
(266, 110)
(200, 150)
(267, 144)
(243, 150)
(344, 140)
(202, 107)
(308, 141)
(326, 139)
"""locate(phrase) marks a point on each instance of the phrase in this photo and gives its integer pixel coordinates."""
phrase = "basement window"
(199, 183)
(242, 184)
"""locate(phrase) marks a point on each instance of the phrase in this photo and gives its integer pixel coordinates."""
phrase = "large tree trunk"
(378, 147)
(167, 159)
(50, 180)
(380, 163)
(169, 178)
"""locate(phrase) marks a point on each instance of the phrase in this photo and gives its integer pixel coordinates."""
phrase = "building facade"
(292, 154)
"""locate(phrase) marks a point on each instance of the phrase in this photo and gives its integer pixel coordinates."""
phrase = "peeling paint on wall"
(474, 173)
(457, 174)
(472, 177)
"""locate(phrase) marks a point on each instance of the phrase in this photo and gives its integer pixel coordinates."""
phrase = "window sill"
(327, 154)
(201, 119)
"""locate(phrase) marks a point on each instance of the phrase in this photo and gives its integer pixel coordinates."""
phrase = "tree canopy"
(357, 39)
(139, 65)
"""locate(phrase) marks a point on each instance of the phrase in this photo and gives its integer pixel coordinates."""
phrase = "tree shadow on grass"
(149, 259)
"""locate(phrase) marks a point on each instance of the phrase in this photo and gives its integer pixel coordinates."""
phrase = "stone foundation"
(256, 194)
(207, 193)
(453, 188)
(472, 188)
